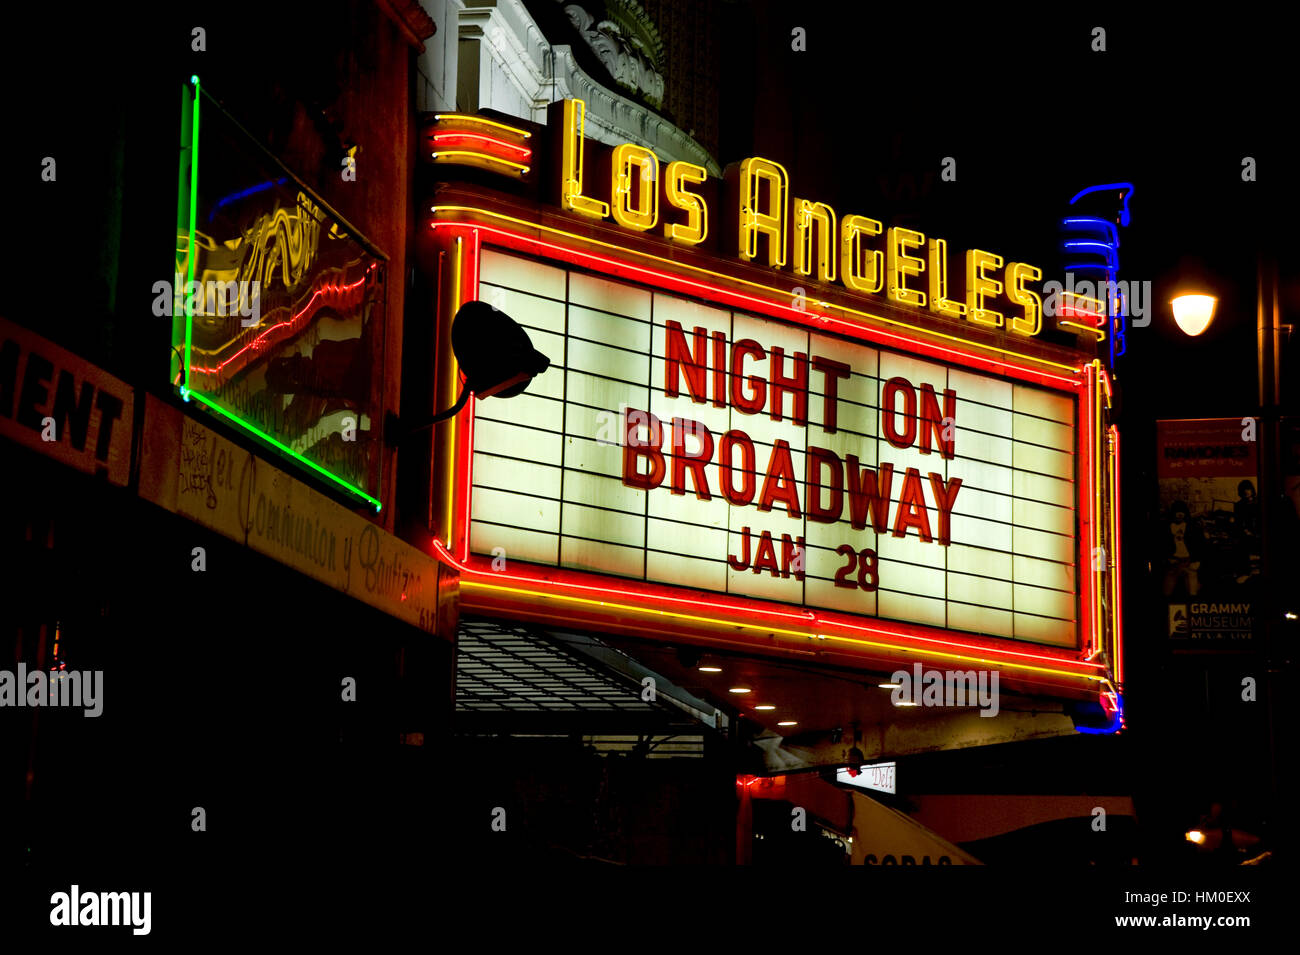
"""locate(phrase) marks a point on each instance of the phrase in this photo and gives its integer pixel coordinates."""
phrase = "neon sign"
(765, 220)
(299, 370)
(1093, 248)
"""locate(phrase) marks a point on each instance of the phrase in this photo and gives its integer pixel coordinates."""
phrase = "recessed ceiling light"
(906, 703)
(710, 669)
(740, 689)
(889, 686)
(788, 723)
(765, 706)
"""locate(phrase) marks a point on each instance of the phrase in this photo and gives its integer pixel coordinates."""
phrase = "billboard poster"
(278, 310)
(1207, 531)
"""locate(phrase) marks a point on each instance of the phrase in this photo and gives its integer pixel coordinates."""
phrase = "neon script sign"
(766, 225)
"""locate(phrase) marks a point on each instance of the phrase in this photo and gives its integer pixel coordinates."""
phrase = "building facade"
(798, 492)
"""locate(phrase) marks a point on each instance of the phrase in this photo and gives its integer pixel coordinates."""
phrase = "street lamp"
(1193, 312)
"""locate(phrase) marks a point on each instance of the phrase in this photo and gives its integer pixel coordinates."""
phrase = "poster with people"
(1206, 538)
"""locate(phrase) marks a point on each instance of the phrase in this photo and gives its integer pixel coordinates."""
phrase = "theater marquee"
(705, 447)
(713, 459)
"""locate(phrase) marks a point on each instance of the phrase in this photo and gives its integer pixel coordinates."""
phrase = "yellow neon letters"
(571, 196)
(1031, 323)
(851, 233)
(766, 213)
(939, 301)
(696, 228)
(979, 286)
(770, 220)
(818, 217)
(902, 265)
(634, 168)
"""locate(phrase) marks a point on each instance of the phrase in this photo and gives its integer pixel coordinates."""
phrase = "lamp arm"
(400, 433)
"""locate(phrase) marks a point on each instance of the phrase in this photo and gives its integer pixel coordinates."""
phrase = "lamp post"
(1193, 311)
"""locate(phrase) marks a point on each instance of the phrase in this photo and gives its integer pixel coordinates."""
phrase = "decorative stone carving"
(629, 61)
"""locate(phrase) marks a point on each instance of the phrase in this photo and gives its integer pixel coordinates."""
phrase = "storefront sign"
(882, 777)
(191, 470)
(705, 447)
(62, 406)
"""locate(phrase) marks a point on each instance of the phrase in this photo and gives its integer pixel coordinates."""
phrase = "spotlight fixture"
(496, 355)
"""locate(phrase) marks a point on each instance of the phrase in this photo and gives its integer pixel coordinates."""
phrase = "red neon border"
(734, 607)
(1117, 583)
(743, 607)
(1084, 471)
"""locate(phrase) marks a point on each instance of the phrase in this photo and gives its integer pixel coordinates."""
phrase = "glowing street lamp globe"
(1194, 312)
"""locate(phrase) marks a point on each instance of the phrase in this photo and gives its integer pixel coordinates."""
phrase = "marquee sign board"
(690, 445)
(765, 424)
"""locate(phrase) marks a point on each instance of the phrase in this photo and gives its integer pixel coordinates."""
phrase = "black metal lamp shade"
(494, 351)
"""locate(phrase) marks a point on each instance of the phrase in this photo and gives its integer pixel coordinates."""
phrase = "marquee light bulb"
(1193, 313)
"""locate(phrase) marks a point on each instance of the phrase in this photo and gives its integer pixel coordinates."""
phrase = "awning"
(884, 836)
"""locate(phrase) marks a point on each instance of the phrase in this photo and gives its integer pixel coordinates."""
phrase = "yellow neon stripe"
(766, 629)
(1072, 369)
(456, 265)
(478, 155)
(1085, 298)
(580, 106)
(466, 118)
(1099, 332)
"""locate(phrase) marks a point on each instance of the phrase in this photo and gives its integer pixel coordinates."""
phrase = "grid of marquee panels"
(547, 484)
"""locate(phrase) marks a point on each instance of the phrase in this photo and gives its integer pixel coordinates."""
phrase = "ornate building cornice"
(540, 74)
